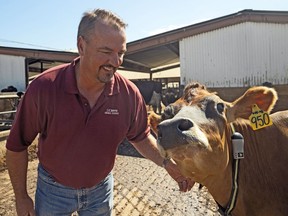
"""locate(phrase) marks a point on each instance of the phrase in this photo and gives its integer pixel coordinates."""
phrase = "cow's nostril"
(185, 124)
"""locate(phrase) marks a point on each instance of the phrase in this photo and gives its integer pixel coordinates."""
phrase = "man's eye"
(105, 51)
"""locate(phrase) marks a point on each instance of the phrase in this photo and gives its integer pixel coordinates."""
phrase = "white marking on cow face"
(183, 130)
(197, 117)
(193, 112)
(194, 138)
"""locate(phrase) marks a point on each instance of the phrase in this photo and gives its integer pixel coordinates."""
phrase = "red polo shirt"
(77, 144)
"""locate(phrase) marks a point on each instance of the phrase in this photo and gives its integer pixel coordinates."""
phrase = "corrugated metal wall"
(12, 72)
(242, 55)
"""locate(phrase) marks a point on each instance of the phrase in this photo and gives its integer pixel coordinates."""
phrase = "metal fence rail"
(8, 112)
(7, 116)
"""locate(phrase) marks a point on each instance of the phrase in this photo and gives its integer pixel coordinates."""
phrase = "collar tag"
(237, 145)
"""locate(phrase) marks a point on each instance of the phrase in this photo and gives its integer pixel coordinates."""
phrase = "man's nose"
(116, 60)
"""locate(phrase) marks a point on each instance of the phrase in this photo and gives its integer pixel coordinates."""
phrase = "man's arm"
(17, 163)
(148, 148)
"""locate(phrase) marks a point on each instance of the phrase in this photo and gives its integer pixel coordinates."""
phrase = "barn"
(228, 54)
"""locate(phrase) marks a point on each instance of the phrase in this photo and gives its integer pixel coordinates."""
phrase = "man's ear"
(264, 97)
(80, 45)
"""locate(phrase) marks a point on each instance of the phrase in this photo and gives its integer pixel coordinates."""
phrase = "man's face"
(102, 53)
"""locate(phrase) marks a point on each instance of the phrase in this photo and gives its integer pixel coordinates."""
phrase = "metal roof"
(163, 49)
(156, 53)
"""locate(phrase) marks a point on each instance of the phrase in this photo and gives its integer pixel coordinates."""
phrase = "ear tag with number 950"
(259, 118)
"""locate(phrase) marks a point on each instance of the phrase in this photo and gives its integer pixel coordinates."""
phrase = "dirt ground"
(141, 189)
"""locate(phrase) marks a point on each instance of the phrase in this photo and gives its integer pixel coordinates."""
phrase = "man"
(82, 111)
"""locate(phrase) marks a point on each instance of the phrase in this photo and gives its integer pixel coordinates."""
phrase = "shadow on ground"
(127, 149)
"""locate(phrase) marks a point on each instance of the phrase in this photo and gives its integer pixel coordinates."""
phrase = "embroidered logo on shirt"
(111, 112)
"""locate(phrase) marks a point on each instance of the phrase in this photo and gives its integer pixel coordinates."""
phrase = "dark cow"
(197, 132)
(155, 102)
(169, 96)
(9, 89)
(151, 92)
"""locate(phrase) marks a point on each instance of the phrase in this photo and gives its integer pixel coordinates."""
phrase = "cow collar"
(235, 171)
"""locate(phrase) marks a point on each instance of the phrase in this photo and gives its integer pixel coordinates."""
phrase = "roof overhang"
(158, 52)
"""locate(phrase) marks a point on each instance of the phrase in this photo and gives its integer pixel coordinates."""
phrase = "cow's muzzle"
(172, 132)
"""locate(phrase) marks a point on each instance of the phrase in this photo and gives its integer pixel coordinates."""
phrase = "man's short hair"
(90, 18)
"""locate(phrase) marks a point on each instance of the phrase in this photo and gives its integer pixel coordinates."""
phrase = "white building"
(245, 54)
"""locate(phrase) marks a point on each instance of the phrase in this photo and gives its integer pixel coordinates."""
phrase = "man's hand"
(17, 163)
(148, 148)
(25, 207)
(185, 184)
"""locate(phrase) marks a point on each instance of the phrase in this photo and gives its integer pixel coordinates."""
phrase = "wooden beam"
(60, 56)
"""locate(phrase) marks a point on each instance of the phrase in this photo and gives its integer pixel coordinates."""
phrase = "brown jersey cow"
(196, 133)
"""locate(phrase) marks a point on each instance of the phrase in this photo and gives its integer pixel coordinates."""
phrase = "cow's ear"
(153, 121)
(264, 97)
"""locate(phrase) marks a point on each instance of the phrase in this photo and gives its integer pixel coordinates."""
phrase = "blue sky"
(42, 24)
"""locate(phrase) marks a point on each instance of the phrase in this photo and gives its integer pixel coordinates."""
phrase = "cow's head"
(192, 131)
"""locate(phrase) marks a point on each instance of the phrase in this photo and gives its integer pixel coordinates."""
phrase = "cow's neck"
(221, 185)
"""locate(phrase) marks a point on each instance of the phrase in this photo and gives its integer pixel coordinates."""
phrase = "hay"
(32, 153)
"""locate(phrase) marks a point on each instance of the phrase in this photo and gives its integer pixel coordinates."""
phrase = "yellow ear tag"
(259, 118)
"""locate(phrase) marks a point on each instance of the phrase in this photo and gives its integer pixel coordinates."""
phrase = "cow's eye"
(220, 107)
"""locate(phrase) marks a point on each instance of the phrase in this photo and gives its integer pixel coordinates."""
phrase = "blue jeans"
(54, 199)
